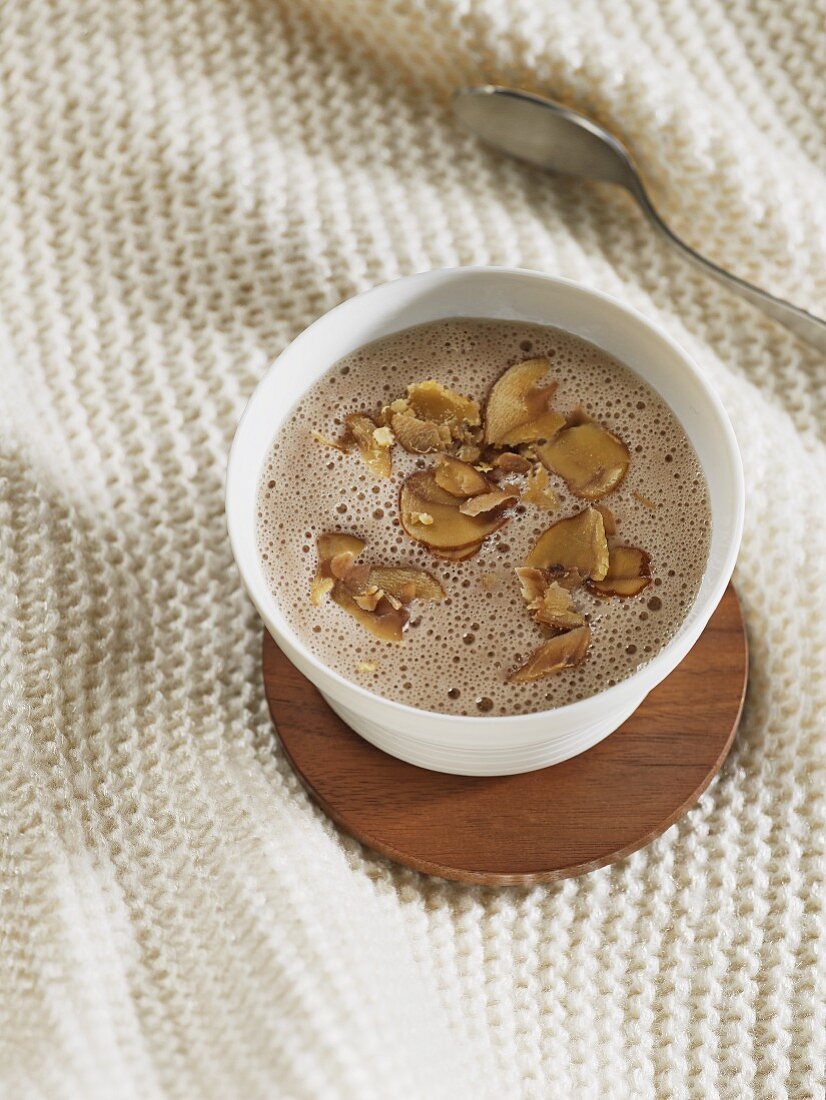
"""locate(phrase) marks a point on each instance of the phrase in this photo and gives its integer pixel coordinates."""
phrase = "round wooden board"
(540, 826)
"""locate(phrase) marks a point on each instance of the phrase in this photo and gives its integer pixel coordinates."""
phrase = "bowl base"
(536, 826)
(527, 759)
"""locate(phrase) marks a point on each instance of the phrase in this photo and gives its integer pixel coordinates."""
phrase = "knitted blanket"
(186, 184)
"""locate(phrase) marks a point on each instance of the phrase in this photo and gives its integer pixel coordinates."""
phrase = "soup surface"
(459, 653)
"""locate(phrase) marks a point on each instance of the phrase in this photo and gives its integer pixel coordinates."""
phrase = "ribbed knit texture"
(184, 185)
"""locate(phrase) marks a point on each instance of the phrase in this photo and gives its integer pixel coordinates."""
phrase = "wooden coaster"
(540, 826)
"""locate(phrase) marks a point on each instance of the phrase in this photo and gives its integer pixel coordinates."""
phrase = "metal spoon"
(550, 136)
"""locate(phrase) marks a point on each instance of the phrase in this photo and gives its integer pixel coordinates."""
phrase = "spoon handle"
(805, 325)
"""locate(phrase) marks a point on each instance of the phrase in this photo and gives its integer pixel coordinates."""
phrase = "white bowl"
(495, 745)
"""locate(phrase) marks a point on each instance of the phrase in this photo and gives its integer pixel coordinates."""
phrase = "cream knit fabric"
(184, 185)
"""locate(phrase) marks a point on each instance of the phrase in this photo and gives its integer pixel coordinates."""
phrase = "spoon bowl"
(545, 134)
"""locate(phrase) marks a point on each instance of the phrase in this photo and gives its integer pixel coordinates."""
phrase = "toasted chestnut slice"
(450, 530)
(406, 582)
(330, 545)
(432, 418)
(469, 452)
(517, 407)
(550, 603)
(431, 400)
(629, 572)
(385, 621)
(337, 553)
(558, 653)
(340, 565)
(644, 501)
(540, 427)
(576, 543)
(512, 463)
(370, 599)
(608, 519)
(459, 479)
(459, 555)
(592, 460)
(566, 578)
(556, 610)
(532, 583)
(538, 489)
(372, 442)
(374, 595)
(486, 503)
(355, 575)
(319, 588)
(325, 441)
(420, 437)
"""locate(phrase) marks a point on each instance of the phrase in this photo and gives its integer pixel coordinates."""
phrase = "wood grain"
(541, 826)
